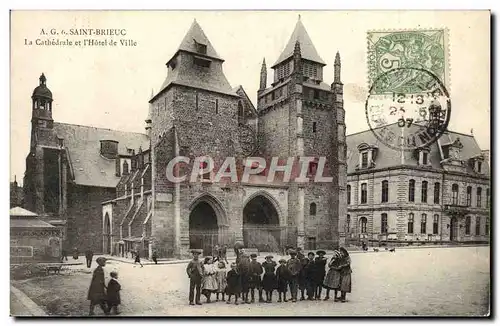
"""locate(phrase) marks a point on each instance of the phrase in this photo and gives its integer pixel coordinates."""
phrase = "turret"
(263, 76)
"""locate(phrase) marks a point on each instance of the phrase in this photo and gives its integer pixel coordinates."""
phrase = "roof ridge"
(101, 128)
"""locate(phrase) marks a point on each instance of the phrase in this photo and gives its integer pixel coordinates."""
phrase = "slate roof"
(21, 212)
(83, 145)
(388, 157)
(30, 223)
(196, 35)
(307, 49)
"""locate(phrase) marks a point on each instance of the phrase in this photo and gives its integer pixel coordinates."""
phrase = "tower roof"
(308, 51)
(194, 36)
(42, 90)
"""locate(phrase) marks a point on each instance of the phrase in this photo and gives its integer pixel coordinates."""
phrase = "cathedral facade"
(196, 113)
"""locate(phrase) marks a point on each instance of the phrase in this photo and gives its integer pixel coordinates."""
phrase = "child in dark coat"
(320, 264)
(255, 281)
(114, 293)
(310, 275)
(269, 279)
(233, 284)
(282, 276)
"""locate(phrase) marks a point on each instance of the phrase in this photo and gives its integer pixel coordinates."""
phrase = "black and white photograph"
(322, 163)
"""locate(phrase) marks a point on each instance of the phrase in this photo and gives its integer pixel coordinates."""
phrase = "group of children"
(306, 274)
(107, 297)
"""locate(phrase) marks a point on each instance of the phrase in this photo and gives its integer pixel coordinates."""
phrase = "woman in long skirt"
(209, 281)
(345, 274)
(332, 279)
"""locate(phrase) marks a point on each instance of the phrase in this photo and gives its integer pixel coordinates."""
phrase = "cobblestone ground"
(437, 281)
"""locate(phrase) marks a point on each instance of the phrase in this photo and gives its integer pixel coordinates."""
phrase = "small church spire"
(263, 75)
(43, 80)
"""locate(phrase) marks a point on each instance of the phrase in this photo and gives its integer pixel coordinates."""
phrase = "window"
(316, 94)
(437, 190)
(478, 225)
(196, 100)
(125, 168)
(201, 48)
(314, 126)
(383, 226)
(435, 224)
(216, 106)
(363, 222)
(313, 166)
(469, 195)
(411, 191)
(467, 225)
(364, 160)
(201, 62)
(454, 190)
(385, 191)
(348, 194)
(423, 224)
(487, 198)
(425, 156)
(364, 194)
(348, 223)
(478, 196)
(204, 165)
(312, 209)
(487, 227)
(424, 192)
(479, 165)
(240, 112)
(410, 223)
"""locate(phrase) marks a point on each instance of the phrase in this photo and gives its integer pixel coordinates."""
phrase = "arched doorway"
(261, 225)
(203, 227)
(107, 234)
(453, 229)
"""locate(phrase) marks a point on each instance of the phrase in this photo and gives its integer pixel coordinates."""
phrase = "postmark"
(408, 108)
(423, 49)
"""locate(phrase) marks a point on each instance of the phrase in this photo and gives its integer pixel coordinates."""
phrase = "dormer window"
(477, 163)
(201, 48)
(201, 62)
(423, 156)
(367, 154)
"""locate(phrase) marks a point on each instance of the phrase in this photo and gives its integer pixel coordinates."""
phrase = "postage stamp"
(422, 49)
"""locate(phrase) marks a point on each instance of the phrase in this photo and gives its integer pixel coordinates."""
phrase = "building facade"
(437, 194)
(196, 113)
(71, 170)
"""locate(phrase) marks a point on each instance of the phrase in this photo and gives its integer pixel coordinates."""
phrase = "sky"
(110, 87)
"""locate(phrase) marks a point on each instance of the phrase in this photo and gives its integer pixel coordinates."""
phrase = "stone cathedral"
(197, 113)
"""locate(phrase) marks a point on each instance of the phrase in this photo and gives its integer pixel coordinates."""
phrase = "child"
(294, 266)
(97, 289)
(320, 264)
(114, 293)
(332, 279)
(195, 272)
(255, 282)
(302, 275)
(345, 274)
(155, 256)
(221, 277)
(244, 270)
(233, 284)
(208, 282)
(269, 279)
(282, 277)
(310, 274)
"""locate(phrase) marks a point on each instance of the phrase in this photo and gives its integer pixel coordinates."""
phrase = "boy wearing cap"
(310, 274)
(302, 275)
(294, 266)
(282, 278)
(320, 266)
(195, 272)
(255, 282)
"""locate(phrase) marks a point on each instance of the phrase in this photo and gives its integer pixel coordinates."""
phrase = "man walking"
(89, 254)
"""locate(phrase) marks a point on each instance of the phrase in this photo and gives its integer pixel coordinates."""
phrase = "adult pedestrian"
(345, 274)
(89, 254)
(155, 256)
(138, 258)
(97, 289)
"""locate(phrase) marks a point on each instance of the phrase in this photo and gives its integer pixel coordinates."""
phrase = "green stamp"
(416, 50)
